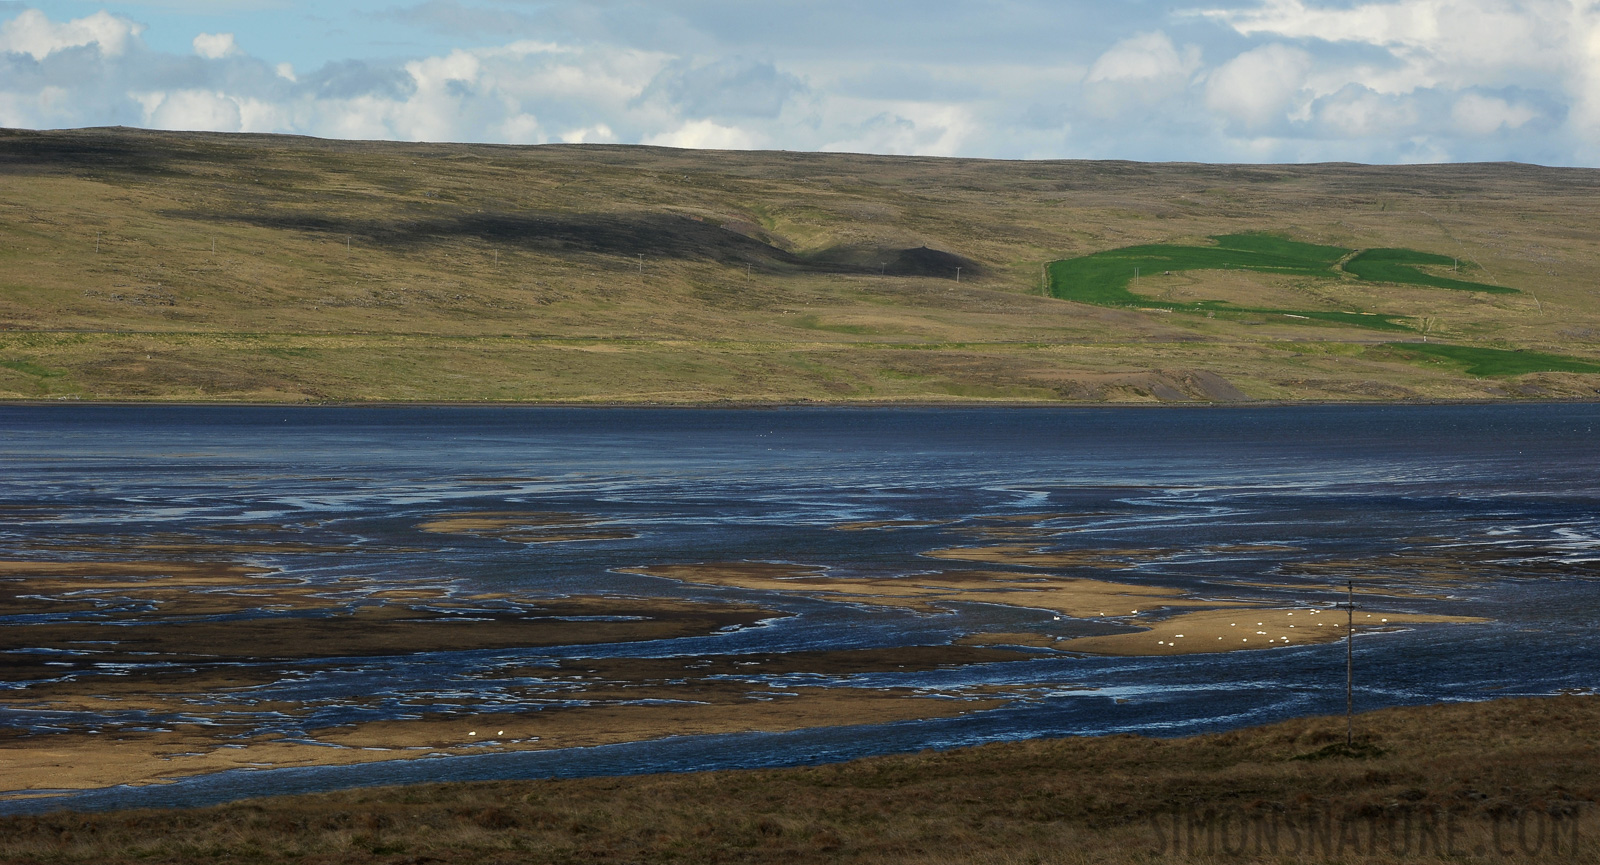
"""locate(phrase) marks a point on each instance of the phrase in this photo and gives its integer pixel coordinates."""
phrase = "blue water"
(1278, 503)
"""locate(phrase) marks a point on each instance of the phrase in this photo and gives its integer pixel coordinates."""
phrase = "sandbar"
(1071, 596)
(81, 761)
(525, 527)
(1209, 631)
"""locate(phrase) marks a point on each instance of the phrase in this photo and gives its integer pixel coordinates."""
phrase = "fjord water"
(1278, 503)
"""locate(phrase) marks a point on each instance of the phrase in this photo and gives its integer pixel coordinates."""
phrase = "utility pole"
(1349, 664)
(347, 244)
(213, 246)
(641, 267)
(958, 274)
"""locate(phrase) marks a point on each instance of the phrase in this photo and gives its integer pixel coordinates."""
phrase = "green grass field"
(1104, 277)
(1399, 266)
(1490, 361)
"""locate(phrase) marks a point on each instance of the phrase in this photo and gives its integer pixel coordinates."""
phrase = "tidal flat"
(207, 603)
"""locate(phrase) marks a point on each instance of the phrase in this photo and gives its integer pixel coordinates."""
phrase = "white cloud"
(1255, 88)
(1379, 80)
(520, 129)
(704, 135)
(1477, 114)
(1380, 65)
(1357, 112)
(191, 109)
(1137, 74)
(215, 46)
(34, 34)
(433, 73)
(209, 111)
(1450, 43)
(596, 134)
(1145, 58)
(20, 111)
(899, 128)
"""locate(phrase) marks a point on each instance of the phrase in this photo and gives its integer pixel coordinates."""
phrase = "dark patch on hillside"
(654, 235)
(918, 261)
(923, 261)
(626, 235)
(27, 152)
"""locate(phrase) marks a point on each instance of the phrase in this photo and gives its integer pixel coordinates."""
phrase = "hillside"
(144, 265)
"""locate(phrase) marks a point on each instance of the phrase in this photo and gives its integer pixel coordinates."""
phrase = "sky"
(1386, 81)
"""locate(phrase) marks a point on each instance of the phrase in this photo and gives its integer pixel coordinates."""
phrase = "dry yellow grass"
(176, 266)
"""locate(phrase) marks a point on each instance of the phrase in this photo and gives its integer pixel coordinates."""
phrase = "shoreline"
(1112, 798)
(800, 404)
(602, 738)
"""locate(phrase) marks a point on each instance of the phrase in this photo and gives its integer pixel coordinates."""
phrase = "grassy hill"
(147, 265)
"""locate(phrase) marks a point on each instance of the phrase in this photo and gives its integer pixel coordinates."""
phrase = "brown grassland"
(1475, 782)
(175, 266)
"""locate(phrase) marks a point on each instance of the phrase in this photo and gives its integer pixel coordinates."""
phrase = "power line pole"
(958, 274)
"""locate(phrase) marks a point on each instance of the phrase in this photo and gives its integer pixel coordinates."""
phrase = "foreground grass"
(1510, 779)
